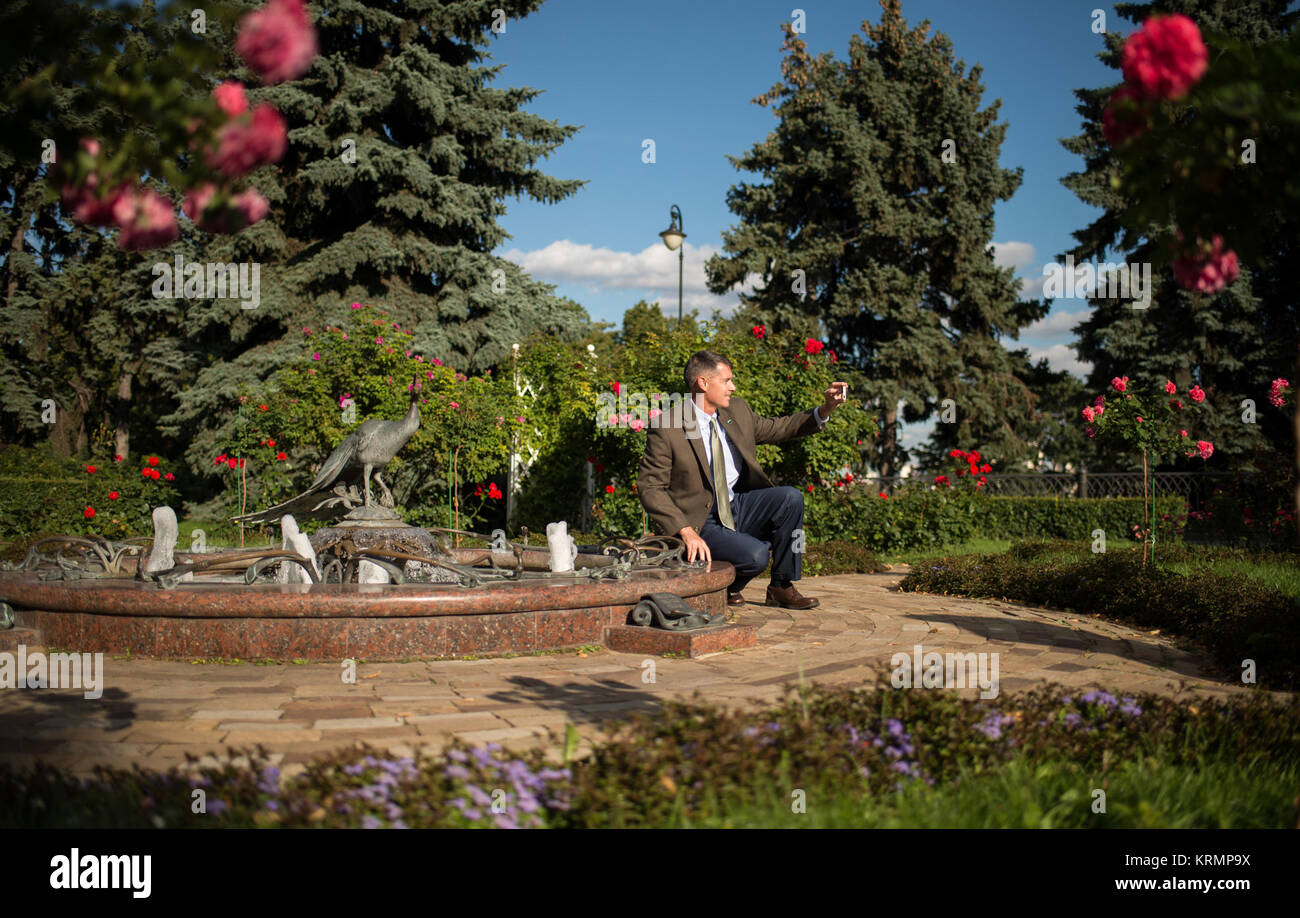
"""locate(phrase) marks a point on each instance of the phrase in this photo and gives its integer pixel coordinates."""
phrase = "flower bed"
(857, 755)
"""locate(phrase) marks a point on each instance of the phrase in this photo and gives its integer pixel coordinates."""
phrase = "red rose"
(233, 463)
(616, 388)
(884, 496)
(152, 460)
(812, 346)
(117, 458)
(89, 512)
(281, 456)
(263, 408)
(810, 488)
(986, 468)
(609, 489)
(220, 459)
(112, 495)
(1124, 117)
(759, 331)
(1166, 57)
(90, 469)
(169, 477)
(493, 491)
(270, 443)
(144, 473)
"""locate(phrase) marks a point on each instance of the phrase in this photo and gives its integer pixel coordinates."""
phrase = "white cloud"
(651, 272)
(1061, 357)
(1018, 255)
(1055, 325)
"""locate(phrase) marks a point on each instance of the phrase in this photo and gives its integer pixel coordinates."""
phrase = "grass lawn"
(1022, 794)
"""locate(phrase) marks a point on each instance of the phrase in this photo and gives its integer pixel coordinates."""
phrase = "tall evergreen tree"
(80, 327)
(400, 156)
(874, 223)
(1231, 344)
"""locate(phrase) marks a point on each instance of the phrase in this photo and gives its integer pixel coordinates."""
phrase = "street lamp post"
(672, 238)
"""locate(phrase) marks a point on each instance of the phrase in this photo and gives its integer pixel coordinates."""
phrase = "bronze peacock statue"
(366, 450)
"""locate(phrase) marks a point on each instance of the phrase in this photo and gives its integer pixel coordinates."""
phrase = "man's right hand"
(696, 547)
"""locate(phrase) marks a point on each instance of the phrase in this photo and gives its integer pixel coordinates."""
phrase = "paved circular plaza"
(155, 712)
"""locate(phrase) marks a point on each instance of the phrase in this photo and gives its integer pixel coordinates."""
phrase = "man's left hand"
(835, 396)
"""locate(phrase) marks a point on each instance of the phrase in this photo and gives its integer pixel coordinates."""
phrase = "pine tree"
(1232, 344)
(874, 223)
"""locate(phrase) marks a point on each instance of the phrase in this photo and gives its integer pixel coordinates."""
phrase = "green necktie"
(720, 479)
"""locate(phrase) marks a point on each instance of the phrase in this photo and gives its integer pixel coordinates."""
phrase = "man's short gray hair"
(700, 363)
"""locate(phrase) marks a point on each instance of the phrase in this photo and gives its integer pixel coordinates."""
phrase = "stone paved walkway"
(154, 712)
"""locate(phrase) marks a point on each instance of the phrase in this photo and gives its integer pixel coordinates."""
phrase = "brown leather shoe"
(735, 599)
(788, 598)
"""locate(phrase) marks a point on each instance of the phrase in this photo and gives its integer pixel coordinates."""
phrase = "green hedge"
(1231, 617)
(1075, 518)
(917, 516)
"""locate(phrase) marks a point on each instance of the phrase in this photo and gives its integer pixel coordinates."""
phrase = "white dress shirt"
(706, 423)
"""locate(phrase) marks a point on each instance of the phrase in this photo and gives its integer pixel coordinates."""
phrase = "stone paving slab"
(154, 712)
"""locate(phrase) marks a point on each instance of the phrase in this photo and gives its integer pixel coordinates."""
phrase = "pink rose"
(1166, 57)
(1197, 394)
(1089, 415)
(1204, 450)
(636, 424)
(244, 143)
(1089, 431)
(1120, 384)
(1210, 270)
(230, 97)
(147, 220)
(278, 41)
(1170, 388)
(87, 206)
(251, 206)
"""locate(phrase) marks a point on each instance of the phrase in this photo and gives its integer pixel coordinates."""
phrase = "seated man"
(700, 480)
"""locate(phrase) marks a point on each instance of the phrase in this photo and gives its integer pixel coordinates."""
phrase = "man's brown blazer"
(675, 483)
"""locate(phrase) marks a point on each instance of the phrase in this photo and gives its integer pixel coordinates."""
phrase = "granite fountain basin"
(220, 616)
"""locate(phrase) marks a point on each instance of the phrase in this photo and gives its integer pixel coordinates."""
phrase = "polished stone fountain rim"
(198, 600)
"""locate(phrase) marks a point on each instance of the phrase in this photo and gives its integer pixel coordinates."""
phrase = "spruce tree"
(1234, 343)
(400, 156)
(874, 222)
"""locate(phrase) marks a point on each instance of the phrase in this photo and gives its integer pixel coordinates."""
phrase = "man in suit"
(700, 480)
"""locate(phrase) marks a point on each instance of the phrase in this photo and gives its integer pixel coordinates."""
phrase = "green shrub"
(1232, 618)
(41, 494)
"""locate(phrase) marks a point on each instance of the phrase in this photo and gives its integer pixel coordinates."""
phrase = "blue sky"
(683, 74)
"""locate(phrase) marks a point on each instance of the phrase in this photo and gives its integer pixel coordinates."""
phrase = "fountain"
(367, 586)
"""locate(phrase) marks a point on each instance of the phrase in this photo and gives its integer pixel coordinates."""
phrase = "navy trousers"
(766, 521)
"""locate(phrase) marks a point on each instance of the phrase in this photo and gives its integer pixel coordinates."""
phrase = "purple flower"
(217, 807)
(894, 727)
(456, 772)
(370, 822)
